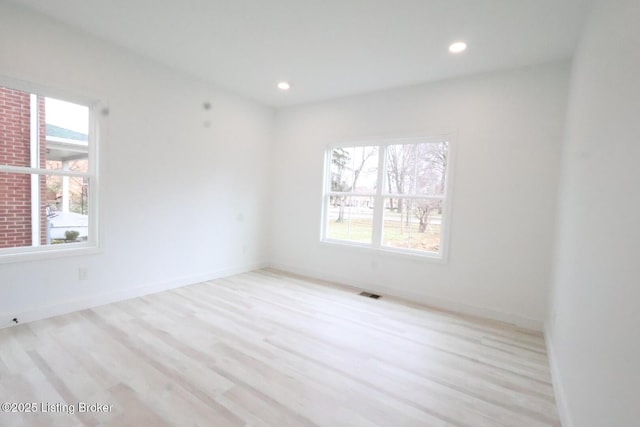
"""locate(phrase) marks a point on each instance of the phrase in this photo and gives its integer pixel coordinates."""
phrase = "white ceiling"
(328, 48)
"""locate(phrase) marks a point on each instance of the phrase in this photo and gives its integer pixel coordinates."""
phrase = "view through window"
(391, 195)
(45, 171)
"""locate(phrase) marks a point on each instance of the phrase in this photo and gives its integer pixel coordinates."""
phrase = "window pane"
(62, 134)
(400, 167)
(354, 169)
(416, 169)
(63, 206)
(431, 166)
(412, 224)
(67, 201)
(365, 169)
(350, 218)
(67, 141)
(341, 169)
(15, 128)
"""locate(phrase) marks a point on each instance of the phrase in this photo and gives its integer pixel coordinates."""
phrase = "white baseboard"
(556, 380)
(82, 303)
(428, 300)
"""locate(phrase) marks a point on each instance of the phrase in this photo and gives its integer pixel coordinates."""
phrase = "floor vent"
(369, 295)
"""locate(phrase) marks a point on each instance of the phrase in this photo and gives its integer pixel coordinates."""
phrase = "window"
(48, 185)
(392, 195)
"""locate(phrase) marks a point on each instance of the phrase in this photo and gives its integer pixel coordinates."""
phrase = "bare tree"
(400, 163)
(432, 178)
(342, 164)
(365, 154)
(390, 188)
(339, 160)
(423, 210)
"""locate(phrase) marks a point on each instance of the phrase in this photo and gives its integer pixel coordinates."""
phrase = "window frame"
(376, 245)
(94, 137)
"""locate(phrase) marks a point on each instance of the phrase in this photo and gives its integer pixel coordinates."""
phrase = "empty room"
(320, 213)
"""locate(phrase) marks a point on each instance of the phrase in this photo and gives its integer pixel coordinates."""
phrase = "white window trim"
(376, 246)
(92, 245)
(34, 159)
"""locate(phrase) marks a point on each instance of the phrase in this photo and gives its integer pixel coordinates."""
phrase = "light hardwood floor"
(270, 349)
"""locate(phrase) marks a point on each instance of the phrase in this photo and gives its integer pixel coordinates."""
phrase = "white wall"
(509, 132)
(594, 324)
(181, 202)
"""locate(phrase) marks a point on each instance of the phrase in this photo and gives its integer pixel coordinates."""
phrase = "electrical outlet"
(83, 274)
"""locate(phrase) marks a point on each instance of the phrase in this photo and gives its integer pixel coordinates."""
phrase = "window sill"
(46, 253)
(384, 251)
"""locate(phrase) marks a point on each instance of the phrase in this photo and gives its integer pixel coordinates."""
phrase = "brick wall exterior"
(15, 189)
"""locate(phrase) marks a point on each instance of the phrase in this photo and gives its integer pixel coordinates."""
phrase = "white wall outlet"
(83, 274)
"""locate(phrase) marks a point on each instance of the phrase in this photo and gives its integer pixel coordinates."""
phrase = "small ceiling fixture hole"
(369, 295)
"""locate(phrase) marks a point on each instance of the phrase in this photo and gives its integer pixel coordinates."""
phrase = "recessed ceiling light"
(457, 47)
(284, 86)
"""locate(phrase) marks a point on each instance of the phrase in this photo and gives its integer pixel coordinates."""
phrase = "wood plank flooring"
(271, 349)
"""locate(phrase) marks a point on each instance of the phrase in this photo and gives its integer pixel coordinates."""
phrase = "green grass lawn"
(358, 229)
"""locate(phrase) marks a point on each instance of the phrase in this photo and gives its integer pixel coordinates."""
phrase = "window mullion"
(378, 204)
(413, 196)
(327, 196)
(34, 155)
(41, 171)
(350, 193)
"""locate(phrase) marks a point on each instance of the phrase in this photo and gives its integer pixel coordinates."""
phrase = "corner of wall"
(558, 388)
